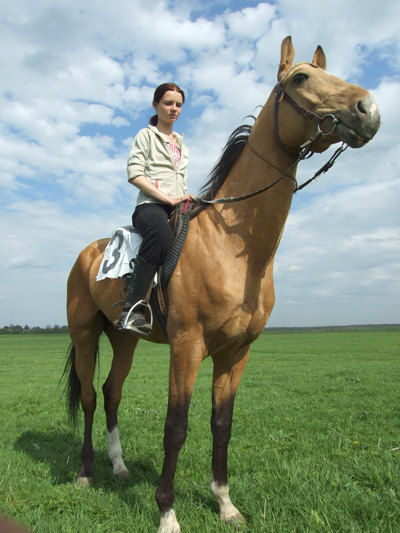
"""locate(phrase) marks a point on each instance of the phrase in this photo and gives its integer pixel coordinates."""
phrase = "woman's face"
(169, 107)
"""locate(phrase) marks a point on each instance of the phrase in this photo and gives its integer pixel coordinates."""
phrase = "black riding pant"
(151, 221)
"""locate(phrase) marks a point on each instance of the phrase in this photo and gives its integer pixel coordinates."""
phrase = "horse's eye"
(300, 78)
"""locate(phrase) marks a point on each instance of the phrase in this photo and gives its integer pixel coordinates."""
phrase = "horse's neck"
(260, 220)
(262, 161)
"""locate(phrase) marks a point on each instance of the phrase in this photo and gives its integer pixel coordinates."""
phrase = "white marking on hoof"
(237, 521)
(122, 474)
(169, 523)
(115, 454)
(83, 482)
(227, 511)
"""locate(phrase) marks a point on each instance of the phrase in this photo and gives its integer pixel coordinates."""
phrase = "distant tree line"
(14, 329)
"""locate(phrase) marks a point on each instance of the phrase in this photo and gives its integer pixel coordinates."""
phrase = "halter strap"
(281, 93)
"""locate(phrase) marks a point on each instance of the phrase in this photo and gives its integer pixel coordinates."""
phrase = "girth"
(179, 222)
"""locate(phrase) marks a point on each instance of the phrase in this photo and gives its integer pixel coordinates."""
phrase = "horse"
(221, 293)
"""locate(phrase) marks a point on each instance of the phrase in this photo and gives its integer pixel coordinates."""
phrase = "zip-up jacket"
(150, 156)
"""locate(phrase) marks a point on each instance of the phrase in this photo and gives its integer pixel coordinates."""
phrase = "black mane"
(218, 175)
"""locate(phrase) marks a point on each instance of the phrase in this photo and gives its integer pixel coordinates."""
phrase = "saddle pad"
(123, 247)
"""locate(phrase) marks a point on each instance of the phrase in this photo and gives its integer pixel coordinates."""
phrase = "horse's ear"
(287, 56)
(319, 58)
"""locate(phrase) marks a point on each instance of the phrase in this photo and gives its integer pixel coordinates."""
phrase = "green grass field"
(315, 444)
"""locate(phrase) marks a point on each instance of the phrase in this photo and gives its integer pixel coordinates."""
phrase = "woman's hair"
(159, 93)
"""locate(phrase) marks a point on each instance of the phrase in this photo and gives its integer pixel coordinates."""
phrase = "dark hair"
(159, 93)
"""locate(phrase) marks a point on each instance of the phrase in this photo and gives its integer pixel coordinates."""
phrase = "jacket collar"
(174, 133)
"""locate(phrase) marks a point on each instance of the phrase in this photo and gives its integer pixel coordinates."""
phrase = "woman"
(157, 166)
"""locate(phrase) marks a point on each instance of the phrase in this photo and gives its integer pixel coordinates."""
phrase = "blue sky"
(77, 83)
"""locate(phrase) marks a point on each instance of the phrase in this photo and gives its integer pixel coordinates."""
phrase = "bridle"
(281, 94)
(305, 149)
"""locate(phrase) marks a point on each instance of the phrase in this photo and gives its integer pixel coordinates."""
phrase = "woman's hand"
(145, 185)
(185, 198)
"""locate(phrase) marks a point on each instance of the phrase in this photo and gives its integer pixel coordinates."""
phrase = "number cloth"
(124, 245)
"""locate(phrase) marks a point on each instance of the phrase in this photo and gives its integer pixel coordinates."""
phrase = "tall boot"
(138, 284)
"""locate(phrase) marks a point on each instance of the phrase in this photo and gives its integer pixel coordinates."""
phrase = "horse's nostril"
(360, 107)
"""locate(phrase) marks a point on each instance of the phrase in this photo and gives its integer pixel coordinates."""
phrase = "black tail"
(72, 384)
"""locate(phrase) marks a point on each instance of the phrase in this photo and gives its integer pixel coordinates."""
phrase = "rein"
(305, 149)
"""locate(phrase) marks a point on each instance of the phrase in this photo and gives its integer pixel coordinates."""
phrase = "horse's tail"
(73, 384)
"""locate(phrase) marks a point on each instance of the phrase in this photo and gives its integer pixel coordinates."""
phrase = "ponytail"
(154, 120)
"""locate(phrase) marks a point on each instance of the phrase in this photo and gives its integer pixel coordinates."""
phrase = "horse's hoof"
(237, 521)
(168, 523)
(122, 474)
(83, 482)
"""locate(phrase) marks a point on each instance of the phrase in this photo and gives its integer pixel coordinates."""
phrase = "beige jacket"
(150, 156)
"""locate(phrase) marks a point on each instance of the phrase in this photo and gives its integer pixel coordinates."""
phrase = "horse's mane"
(219, 173)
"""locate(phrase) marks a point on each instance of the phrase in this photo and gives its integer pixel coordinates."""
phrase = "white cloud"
(77, 83)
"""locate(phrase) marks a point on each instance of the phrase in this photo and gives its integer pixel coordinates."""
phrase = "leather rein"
(325, 126)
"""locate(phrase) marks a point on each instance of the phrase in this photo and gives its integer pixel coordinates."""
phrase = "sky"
(77, 84)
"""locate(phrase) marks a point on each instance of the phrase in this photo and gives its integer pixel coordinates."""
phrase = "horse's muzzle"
(359, 126)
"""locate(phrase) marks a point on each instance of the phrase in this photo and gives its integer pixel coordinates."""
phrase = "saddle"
(124, 245)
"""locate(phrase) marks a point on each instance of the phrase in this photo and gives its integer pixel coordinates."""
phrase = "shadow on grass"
(61, 452)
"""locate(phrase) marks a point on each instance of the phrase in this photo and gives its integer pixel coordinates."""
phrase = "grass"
(315, 444)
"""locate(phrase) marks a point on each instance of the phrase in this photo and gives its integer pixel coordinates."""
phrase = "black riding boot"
(138, 283)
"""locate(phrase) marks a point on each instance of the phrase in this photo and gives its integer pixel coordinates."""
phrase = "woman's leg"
(151, 221)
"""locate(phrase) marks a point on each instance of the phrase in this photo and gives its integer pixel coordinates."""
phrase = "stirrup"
(126, 325)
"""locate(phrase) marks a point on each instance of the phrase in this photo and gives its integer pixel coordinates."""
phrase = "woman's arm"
(145, 185)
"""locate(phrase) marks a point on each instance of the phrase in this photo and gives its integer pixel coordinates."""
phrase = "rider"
(157, 166)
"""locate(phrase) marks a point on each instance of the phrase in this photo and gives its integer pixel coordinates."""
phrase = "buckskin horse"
(226, 267)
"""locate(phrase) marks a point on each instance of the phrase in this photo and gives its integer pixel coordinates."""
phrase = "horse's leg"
(86, 324)
(182, 376)
(228, 369)
(85, 341)
(123, 344)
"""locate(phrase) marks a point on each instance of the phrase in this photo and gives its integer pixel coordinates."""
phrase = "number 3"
(116, 253)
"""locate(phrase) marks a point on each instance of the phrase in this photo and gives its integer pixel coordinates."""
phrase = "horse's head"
(310, 99)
